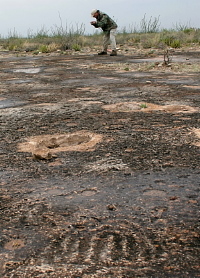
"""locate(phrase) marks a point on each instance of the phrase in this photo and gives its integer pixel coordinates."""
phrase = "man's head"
(95, 13)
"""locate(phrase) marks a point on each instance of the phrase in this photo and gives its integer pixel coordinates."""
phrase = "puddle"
(19, 81)
(28, 70)
(37, 94)
(149, 107)
(44, 146)
(6, 103)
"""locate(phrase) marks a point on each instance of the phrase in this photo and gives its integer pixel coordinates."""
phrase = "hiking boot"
(102, 53)
(113, 53)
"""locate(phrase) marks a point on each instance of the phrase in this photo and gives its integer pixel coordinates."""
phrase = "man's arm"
(102, 23)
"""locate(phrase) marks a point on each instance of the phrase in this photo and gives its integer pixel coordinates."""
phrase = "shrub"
(13, 44)
(168, 40)
(175, 44)
(43, 49)
(76, 47)
(149, 26)
(188, 30)
(171, 41)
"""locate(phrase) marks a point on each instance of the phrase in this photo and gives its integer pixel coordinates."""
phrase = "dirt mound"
(44, 146)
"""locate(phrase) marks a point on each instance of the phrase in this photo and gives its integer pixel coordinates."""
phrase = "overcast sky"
(30, 16)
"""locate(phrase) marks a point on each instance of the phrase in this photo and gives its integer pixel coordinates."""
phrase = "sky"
(25, 17)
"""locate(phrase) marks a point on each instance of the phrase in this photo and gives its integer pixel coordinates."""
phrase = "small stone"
(111, 207)
(41, 154)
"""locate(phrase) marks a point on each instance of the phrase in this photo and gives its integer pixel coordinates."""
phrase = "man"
(109, 28)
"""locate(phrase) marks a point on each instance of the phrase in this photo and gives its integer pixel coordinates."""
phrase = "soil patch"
(149, 107)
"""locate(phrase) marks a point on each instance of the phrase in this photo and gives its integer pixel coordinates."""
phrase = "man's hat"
(94, 11)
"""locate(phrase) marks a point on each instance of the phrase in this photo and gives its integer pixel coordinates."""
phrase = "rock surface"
(114, 191)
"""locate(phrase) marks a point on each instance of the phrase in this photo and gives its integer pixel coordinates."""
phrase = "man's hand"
(93, 23)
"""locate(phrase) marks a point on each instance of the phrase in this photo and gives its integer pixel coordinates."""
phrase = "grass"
(161, 40)
(146, 36)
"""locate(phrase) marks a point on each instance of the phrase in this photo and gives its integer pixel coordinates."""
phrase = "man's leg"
(112, 39)
(113, 42)
(106, 40)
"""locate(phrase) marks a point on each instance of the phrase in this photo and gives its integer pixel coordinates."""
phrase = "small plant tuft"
(143, 105)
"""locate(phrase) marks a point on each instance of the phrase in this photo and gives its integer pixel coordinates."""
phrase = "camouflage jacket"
(105, 22)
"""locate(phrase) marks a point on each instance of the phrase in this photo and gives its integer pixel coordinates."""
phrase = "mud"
(99, 165)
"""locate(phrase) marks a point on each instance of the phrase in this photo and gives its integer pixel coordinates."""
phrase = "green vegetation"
(147, 36)
(76, 47)
(143, 105)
